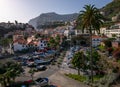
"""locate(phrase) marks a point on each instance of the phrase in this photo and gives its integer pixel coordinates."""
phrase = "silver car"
(42, 82)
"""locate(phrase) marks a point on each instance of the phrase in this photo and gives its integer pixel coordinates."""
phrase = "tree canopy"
(90, 19)
(8, 72)
(79, 60)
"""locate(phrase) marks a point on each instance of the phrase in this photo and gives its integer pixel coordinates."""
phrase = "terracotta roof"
(33, 42)
(95, 36)
(104, 36)
(20, 41)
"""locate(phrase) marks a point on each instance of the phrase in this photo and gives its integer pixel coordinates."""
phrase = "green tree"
(64, 43)
(5, 42)
(79, 61)
(114, 35)
(57, 40)
(108, 43)
(51, 42)
(116, 54)
(2, 76)
(91, 20)
(79, 40)
(37, 35)
(8, 73)
(95, 56)
(32, 71)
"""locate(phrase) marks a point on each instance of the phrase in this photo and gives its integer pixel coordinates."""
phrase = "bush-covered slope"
(111, 9)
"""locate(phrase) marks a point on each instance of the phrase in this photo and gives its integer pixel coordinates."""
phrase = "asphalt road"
(50, 71)
(47, 73)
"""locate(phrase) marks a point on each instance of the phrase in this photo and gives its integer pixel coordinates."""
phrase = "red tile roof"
(33, 43)
(95, 36)
(20, 41)
(104, 36)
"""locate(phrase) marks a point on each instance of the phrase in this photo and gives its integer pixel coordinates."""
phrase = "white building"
(79, 32)
(96, 40)
(114, 30)
(66, 33)
(42, 44)
(103, 30)
(19, 44)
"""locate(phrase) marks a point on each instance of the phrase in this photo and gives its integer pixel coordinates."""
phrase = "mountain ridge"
(52, 17)
(110, 10)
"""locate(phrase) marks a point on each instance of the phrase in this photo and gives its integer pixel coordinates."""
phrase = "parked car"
(1, 56)
(23, 63)
(28, 81)
(42, 82)
(31, 64)
(41, 67)
(30, 59)
(69, 56)
(18, 58)
(51, 51)
(71, 66)
(42, 55)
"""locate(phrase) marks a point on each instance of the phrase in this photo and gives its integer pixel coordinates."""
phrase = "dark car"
(23, 63)
(31, 64)
(17, 58)
(1, 56)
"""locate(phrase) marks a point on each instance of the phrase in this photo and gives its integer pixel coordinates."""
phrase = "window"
(97, 39)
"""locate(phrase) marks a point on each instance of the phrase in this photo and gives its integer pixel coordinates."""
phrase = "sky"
(24, 10)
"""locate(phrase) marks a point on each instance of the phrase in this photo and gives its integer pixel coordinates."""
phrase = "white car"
(41, 67)
(42, 82)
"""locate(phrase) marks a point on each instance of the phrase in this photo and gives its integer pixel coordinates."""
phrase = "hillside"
(49, 18)
(11, 28)
(111, 9)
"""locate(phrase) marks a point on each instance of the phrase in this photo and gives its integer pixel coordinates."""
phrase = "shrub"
(110, 50)
(116, 53)
(53, 63)
(115, 70)
(102, 48)
(77, 77)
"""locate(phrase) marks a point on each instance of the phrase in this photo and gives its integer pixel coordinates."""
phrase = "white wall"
(96, 42)
(42, 44)
(19, 47)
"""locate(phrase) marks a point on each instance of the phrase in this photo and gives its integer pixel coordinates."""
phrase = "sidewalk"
(63, 81)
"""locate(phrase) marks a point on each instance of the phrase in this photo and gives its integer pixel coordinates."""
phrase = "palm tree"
(91, 20)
